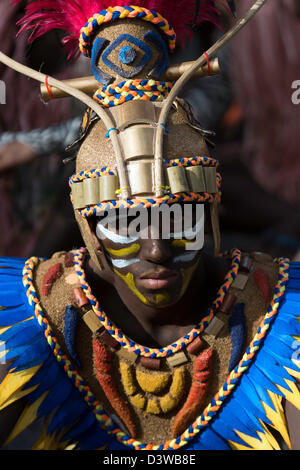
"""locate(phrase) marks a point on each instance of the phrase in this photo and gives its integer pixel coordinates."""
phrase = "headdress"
(80, 19)
(141, 174)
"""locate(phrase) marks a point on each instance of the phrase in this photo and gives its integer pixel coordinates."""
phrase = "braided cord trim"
(63, 360)
(168, 199)
(119, 13)
(130, 90)
(191, 161)
(211, 410)
(178, 345)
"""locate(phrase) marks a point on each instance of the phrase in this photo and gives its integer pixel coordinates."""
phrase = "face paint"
(179, 243)
(129, 280)
(123, 263)
(185, 257)
(124, 252)
(112, 236)
(163, 298)
(190, 232)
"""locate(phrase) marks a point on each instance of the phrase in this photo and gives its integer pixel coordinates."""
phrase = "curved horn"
(88, 101)
(158, 172)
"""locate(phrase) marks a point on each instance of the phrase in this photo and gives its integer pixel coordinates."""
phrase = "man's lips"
(156, 280)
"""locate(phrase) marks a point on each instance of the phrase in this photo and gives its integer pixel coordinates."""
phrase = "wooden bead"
(177, 359)
(138, 142)
(196, 346)
(246, 264)
(195, 177)
(177, 179)
(240, 281)
(140, 177)
(91, 191)
(80, 297)
(261, 257)
(150, 363)
(69, 259)
(210, 175)
(77, 195)
(108, 339)
(228, 302)
(92, 321)
(215, 327)
(108, 187)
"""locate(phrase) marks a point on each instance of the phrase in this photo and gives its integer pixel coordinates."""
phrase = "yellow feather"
(50, 442)
(293, 396)
(277, 417)
(13, 382)
(17, 396)
(27, 418)
(260, 443)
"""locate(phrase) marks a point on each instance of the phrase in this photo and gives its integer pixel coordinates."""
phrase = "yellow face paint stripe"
(124, 252)
(179, 243)
(129, 280)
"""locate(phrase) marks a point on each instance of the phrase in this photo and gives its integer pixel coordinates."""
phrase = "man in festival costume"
(142, 340)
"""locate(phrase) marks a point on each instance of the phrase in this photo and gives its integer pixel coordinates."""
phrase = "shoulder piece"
(266, 375)
(38, 367)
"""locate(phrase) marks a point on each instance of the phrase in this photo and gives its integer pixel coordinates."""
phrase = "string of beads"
(210, 411)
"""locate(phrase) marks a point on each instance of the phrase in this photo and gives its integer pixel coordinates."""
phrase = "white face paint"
(123, 263)
(196, 231)
(186, 257)
(102, 232)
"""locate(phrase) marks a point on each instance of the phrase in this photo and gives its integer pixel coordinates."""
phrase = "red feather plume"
(42, 16)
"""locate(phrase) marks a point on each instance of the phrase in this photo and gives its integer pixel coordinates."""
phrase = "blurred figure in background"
(30, 187)
(262, 190)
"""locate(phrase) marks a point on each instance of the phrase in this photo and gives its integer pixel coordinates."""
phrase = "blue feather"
(33, 357)
(68, 413)
(59, 393)
(85, 422)
(95, 438)
(25, 331)
(237, 325)
(38, 344)
(14, 314)
(71, 321)
(11, 297)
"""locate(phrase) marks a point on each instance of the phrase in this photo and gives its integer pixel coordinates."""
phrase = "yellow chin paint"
(129, 280)
(163, 298)
(124, 252)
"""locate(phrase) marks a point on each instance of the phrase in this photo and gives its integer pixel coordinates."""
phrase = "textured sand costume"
(219, 384)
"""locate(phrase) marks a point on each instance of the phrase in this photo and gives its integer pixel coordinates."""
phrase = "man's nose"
(155, 250)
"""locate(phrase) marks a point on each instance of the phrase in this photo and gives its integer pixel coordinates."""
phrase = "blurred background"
(249, 107)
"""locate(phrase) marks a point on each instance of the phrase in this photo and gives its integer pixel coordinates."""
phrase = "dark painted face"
(156, 264)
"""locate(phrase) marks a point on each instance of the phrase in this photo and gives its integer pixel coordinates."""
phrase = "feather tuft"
(42, 16)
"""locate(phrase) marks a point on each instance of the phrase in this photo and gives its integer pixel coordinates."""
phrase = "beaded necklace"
(140, 350)
(218, 400)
